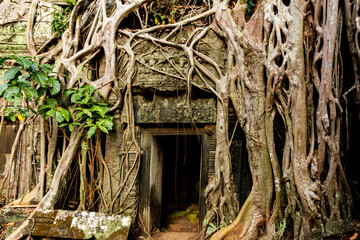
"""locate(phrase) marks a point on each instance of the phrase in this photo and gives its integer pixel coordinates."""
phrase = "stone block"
(80, 225)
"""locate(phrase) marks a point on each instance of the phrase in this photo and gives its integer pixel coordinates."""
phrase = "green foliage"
(61, 20)
(212, 228)
(27, 80)
(249, 5)
(52, 108)
(159, 18)
(71, 2)
(87, 110)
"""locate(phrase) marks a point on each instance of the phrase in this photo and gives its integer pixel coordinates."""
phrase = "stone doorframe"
(152, 165)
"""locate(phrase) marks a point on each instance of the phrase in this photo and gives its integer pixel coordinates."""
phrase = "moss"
(12, 218)
(8, 215)
(13, 39)
(191, 214)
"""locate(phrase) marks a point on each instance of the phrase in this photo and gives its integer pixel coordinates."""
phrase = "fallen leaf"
(354, 236)
(21, 118)
(10, 223)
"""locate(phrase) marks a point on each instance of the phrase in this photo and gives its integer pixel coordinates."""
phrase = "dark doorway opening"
(181, 176)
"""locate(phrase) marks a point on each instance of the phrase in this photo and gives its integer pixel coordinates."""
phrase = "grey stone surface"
(80, 225)
(13, 22)
(162, 109)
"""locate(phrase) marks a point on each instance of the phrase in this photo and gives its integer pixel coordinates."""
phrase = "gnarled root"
(247, 224)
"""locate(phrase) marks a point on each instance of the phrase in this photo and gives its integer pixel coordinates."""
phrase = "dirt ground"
(178, 228)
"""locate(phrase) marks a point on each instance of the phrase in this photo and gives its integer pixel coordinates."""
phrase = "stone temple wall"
(13, 22)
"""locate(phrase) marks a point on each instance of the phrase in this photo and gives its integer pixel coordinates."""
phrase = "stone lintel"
(165, 109)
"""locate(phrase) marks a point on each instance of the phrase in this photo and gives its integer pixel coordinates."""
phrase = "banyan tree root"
(277, 57)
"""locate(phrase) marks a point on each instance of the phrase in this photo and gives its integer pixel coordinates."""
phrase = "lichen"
(99, 225)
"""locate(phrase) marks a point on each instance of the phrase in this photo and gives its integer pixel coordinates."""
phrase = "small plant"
(172, 16)
(212, 228)
(249, 5)
(159, 18)
(71, 2)
(60, 21)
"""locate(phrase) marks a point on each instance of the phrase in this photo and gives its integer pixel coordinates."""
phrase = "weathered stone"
(337, 228)
(166, 69)
(315, 234)
(58, 2)
(80, 225)
(332, 230)
(13, 20)
(13, 39)
(173, 110)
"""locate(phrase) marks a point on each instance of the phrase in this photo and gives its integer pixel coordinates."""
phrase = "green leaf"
(50, 113)
(40, 78)
(44, 107)
(46, 68)
(91, 131)
(101, 110)
(89, 122)
(59, 117)
(11, 73)
(24, 113)
(107, 123)
(31, 93)
(12, 93)
(67, 93)
(24, 78)
(52, 102)
(55, 87)
(2, 60)
(249, 5)
(63, 125)
(86, 99)
(71, 127)
(75, 98)
(102, 128)
(12, 117)
(64, 113)
(102, 104)
(34, 66)
(79, 115)
(42, 91)
(3, 88)
(87, 112)
(92, 89)
(26, 63)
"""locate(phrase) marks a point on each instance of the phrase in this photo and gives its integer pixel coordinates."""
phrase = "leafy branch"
(26, 81)
(87, 109)
(36, 84)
